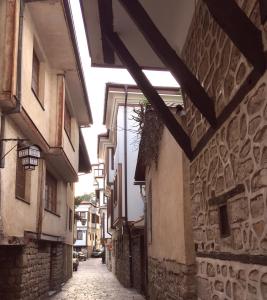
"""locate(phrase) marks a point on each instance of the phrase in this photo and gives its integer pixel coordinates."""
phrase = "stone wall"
(67, 263)
(57, 262)
(30, 271)
(121, 257)
(231, 170)
(219, 279)
(10, 272)
(169, 280)
(216, 62)
(138, 263)
(236, 155)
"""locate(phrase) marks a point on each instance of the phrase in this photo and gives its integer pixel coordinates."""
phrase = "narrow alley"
(93, 281)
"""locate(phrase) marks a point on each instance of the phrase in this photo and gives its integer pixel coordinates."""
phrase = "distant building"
(88, 230)
(43, 101)
(101, 198)
(119, 149)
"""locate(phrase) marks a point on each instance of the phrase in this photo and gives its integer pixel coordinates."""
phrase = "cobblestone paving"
(93, 281)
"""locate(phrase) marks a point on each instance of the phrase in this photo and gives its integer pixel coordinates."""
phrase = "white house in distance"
(101, 198)
(119, 149)
(82, 227)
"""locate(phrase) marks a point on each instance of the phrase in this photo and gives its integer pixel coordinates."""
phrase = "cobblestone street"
(93, 281)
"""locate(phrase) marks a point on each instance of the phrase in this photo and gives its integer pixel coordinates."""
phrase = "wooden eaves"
(233, 21)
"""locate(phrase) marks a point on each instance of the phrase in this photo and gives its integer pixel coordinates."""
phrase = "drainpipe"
(17, 108)
(125, 185)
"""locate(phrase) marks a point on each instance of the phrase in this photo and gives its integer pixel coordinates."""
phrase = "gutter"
(128, 229)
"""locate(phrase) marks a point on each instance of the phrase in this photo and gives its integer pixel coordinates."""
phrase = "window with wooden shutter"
(20, 180)
(50, 193)
(67, 121)
(35, 73)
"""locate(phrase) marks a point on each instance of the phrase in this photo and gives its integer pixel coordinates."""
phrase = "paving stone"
(93, 281)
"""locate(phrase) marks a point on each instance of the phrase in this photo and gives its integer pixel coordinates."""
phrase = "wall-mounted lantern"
(29, 156)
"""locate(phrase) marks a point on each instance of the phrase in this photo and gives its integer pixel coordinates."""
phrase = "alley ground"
(93, 281)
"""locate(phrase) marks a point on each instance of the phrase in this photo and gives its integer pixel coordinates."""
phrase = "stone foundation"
(138, 263)
(30, 271)
(169, 280)
(122, 264)
(217, 279)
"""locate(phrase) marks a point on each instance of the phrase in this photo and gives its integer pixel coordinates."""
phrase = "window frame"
(20, 175)
(81, 235)
(51, 182)
(35, 86)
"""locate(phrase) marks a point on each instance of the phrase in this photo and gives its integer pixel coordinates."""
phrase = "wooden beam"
(106, 23)
(150, 93)
(171, 60)
(243, 33)
(263, 10)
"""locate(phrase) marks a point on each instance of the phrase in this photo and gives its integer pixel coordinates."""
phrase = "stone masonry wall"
(57, 262)
(216, 63)
(169, 280)
(35, 261)
(67, 264)
(25, 271)
(121, 253)
(219, 279)
(10, 272)
(237, 154)
(234, 159)
(138, 265)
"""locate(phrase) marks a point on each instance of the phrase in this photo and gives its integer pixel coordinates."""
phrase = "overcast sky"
(96, 78)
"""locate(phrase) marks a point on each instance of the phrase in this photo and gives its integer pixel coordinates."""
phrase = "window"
(97, 194)
(67, 121)
(224, 221)
(50, 193)
(83, 214)
(79, 234)
(35, 73)
(95, 218)
(20, 180)
(115, 196)
(70, 220)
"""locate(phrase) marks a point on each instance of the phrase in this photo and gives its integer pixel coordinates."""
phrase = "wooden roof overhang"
(54, 26)
(139, 34)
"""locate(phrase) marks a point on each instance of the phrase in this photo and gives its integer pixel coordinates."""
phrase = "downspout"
(17, 108)
(125, 185)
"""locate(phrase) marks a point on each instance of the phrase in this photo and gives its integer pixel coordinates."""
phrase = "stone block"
(238, 210)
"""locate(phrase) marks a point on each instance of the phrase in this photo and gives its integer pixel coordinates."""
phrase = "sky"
(96, 79)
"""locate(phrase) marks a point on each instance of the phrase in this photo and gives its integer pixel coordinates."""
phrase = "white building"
(119, 149)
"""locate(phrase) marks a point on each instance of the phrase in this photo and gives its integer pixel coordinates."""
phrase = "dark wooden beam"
(263, 10)
(150, 93)
(243, 33)
(171, 60)
(106, 23)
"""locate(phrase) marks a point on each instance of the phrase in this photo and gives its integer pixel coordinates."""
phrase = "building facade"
(43, 101)
(161, 172)
(218, 58)
(119, 149)
(101, 198)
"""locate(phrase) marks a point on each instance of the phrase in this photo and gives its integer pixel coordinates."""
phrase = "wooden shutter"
(50, 193)
(20, 180)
